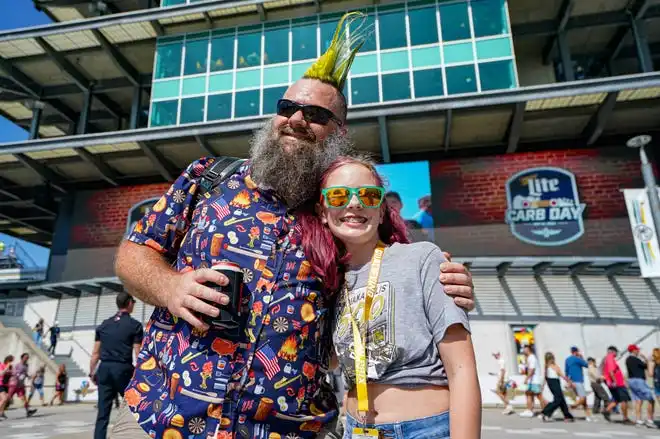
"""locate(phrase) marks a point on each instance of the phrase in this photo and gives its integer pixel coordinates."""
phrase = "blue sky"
(21, 14)
(411, 180)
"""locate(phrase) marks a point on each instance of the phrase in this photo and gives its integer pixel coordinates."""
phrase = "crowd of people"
(14, 381)
(612, 389)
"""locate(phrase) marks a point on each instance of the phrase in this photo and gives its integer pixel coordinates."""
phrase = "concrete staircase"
(18, 323)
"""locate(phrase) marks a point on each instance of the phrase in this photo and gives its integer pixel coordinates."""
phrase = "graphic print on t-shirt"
(381, 345)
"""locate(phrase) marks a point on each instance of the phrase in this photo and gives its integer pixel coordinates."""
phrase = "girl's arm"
(457, 356)
(449, 328)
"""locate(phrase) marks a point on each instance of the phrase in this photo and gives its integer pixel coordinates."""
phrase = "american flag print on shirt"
(267, 357)
(183, 343)
(221, 208)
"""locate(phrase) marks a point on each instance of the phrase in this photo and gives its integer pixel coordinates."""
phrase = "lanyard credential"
(360, 336)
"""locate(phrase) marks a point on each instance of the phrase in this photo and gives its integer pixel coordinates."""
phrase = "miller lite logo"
(543, 206)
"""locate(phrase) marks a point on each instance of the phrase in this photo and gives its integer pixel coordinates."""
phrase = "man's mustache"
(300, 132)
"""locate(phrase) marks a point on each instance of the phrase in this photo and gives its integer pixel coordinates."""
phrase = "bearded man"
(270, 381)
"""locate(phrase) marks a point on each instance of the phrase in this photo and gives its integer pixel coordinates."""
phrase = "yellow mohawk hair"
(333, 66)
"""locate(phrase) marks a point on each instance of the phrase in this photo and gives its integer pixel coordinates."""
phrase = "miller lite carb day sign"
(543, 206)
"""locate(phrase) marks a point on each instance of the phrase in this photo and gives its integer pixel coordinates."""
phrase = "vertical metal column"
(384, 139)
(83, 121)
(37, 111)
(642, 142)
(136, 107)
(565, 55)
(651, 188)
(641, 44)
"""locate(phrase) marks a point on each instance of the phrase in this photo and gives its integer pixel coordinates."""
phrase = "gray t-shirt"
(409, 317)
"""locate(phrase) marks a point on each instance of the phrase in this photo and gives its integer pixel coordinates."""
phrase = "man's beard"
(295, 173)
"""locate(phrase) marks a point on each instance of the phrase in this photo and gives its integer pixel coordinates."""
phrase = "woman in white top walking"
(552, 375)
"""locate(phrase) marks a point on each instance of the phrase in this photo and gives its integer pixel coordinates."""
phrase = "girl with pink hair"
(403, 345)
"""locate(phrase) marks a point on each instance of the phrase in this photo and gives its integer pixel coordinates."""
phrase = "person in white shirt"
(502, 386)
(533, 381)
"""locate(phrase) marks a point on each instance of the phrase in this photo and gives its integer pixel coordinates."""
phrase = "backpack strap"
(219, 171)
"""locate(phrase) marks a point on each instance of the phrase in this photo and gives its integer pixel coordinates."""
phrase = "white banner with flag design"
(643, 230)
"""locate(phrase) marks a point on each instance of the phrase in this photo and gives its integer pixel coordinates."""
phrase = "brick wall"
(469, 201)
(100, 217)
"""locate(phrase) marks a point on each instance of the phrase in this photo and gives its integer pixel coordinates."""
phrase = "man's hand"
(187, 295)
(457, 281)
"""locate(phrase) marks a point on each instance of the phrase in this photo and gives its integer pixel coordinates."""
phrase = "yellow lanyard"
(360, 337)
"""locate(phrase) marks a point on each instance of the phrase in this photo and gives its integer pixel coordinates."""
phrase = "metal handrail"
(71, 338)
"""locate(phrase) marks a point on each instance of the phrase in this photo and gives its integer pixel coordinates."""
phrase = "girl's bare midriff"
(389, 404)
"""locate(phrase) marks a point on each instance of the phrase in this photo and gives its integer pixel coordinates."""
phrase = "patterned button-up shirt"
(265, 384)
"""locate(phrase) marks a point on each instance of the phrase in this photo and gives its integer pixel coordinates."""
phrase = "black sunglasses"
(311, 113)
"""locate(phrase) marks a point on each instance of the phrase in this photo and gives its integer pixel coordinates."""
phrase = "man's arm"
(145, 274)
(93, 362)
(141, 263)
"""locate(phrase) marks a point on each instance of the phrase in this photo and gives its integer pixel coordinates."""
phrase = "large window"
(455, 21)
(247, 103)
(276, 48)
(219, 107)
(222, 53)
(489, 17)
(249, 50)
(192, 110)
(196, 55)
(418, 49)
(303, 41)
(423, 26)
(392, 30)
(168, 58)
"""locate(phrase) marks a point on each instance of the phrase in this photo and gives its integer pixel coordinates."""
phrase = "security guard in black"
(117, 338)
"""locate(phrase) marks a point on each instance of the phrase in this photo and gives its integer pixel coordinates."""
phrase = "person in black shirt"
(117, 338)
(54, 335)
(640, 391)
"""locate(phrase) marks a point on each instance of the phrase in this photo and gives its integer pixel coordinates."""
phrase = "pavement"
(76, 421)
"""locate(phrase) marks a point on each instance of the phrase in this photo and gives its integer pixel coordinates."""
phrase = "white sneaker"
(508, 410)
(639, 423)
(650, 424)
(527, 414)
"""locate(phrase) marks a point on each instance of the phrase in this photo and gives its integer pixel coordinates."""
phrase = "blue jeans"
(432, 427)
(37, 338)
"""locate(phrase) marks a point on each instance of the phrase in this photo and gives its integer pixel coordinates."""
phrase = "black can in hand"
(230, 318)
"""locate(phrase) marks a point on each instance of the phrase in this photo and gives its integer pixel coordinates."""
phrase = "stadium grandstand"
(514, 115)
